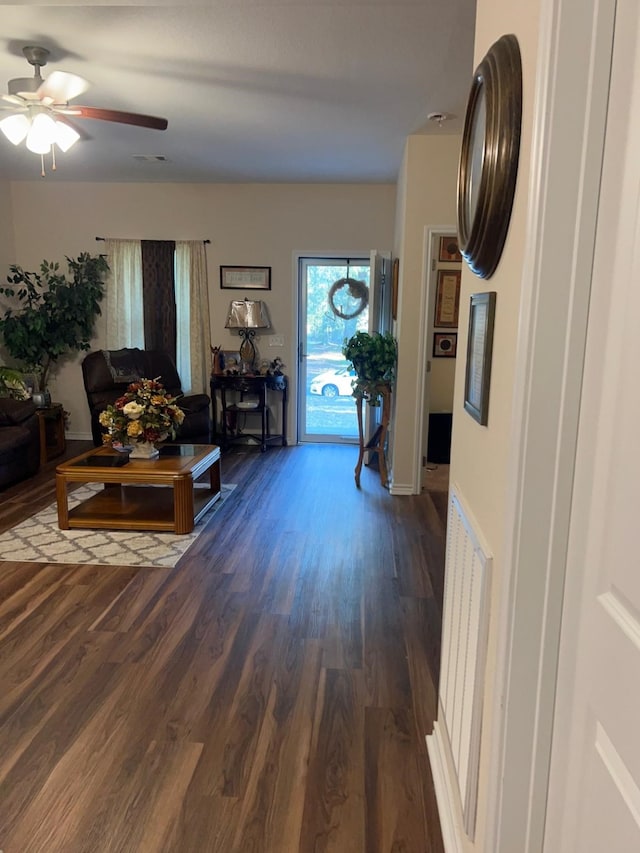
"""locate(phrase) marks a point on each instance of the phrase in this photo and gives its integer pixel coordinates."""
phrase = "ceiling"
(253, 90)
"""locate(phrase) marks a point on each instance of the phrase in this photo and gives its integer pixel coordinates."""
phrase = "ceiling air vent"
(150, 158)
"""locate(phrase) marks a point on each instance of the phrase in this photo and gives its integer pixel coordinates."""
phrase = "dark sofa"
(19, 440)
(107, 373)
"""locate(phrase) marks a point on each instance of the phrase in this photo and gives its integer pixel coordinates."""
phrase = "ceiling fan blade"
(61, 86)
(137, 119)
(14, 99)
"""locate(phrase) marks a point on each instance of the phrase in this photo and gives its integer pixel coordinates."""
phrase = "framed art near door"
(447, 298)
(449, 250)
(445, 344)
(479, 348)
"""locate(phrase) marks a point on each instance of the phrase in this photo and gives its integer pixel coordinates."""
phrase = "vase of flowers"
(145, 415)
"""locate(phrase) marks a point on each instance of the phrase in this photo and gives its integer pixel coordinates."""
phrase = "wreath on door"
(357, 290)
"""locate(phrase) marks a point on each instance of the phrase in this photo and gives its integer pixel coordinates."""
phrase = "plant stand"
(378, 441)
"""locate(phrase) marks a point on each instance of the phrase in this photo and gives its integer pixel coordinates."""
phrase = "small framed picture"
(447, 298)
(394, 288)
(230, 362)
(445, 344)
(479, 349)
(449, 250)
(245, 278)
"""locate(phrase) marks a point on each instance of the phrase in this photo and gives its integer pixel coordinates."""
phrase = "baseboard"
(446, 791)
(79, 436)
(402, 489)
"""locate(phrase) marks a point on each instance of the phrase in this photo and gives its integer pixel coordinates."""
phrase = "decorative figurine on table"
(277, 367)
(217, 361)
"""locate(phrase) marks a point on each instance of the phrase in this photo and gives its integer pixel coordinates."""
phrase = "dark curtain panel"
(158, 290)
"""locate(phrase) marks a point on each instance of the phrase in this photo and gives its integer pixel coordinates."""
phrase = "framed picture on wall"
(445, 344)
(245, 278)
(449, 250)
(447, 298)
(394, 288)
(479, 349)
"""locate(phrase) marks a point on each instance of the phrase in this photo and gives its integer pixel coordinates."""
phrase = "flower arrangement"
(144, 413)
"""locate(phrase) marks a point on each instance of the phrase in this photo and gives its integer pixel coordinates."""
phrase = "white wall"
(480, 454)
(253, 224)
(426, 197)
(6, 231)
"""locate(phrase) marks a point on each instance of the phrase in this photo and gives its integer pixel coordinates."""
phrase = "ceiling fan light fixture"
(25, 87)
(15, 128)
(40, 102)
(42, 134)
(66, 136)
(61, 87)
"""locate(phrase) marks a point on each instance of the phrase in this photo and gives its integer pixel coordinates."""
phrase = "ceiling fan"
(40, 109)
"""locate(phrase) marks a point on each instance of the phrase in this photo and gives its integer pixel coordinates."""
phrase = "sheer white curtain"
(125, 319)
(193, 353)
(124, 307)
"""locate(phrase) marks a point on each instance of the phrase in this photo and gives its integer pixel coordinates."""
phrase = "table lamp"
(247, 315)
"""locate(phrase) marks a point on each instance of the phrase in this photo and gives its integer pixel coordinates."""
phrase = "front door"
(332, 308)
(594, 798)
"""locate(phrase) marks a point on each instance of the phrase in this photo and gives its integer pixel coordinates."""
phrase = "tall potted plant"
(54, 314)
(11, 384)
(373, 357)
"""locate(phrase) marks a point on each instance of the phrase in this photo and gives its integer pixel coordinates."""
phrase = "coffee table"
(141, 494)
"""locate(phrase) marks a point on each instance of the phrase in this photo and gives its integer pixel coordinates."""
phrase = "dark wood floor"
(270, 694)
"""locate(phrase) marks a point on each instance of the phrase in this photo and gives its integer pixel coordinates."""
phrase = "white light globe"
(42, 134)
(15, 128)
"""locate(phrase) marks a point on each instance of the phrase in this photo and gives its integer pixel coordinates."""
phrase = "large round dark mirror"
(489, 156)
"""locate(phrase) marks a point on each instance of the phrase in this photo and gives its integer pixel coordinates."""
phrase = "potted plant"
(55, 315)
(373, 357)
(11, 384)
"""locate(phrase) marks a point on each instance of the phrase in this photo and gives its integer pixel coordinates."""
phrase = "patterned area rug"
(39, 540)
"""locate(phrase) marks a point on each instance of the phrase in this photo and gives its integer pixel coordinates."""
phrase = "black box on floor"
(439, 442)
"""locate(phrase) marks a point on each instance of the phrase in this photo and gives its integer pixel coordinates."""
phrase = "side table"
(230, 407)
(52, 437)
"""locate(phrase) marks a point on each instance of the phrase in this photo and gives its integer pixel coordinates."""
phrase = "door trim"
(569, 116)
(425, 337)
(298, 257)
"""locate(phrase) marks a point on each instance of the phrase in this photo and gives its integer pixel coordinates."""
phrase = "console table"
(232, 391)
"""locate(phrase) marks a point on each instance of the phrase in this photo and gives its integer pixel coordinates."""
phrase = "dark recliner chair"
(107, 373)
(19, 440)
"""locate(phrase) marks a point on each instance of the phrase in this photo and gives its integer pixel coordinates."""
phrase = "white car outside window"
(333, 383)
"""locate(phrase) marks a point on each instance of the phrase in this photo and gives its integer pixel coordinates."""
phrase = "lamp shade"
(247, 314)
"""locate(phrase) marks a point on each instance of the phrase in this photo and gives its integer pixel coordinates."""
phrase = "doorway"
(332, 308)
(441, 300)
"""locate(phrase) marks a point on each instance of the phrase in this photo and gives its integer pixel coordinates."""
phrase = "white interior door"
(594, 795)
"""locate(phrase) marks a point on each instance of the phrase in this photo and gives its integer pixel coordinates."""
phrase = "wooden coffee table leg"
(62, 502)
(214, 476)
(183, 504)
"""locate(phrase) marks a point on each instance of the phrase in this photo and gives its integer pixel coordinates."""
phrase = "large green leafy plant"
(373, 357)
(55, 314)
(11, 384)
